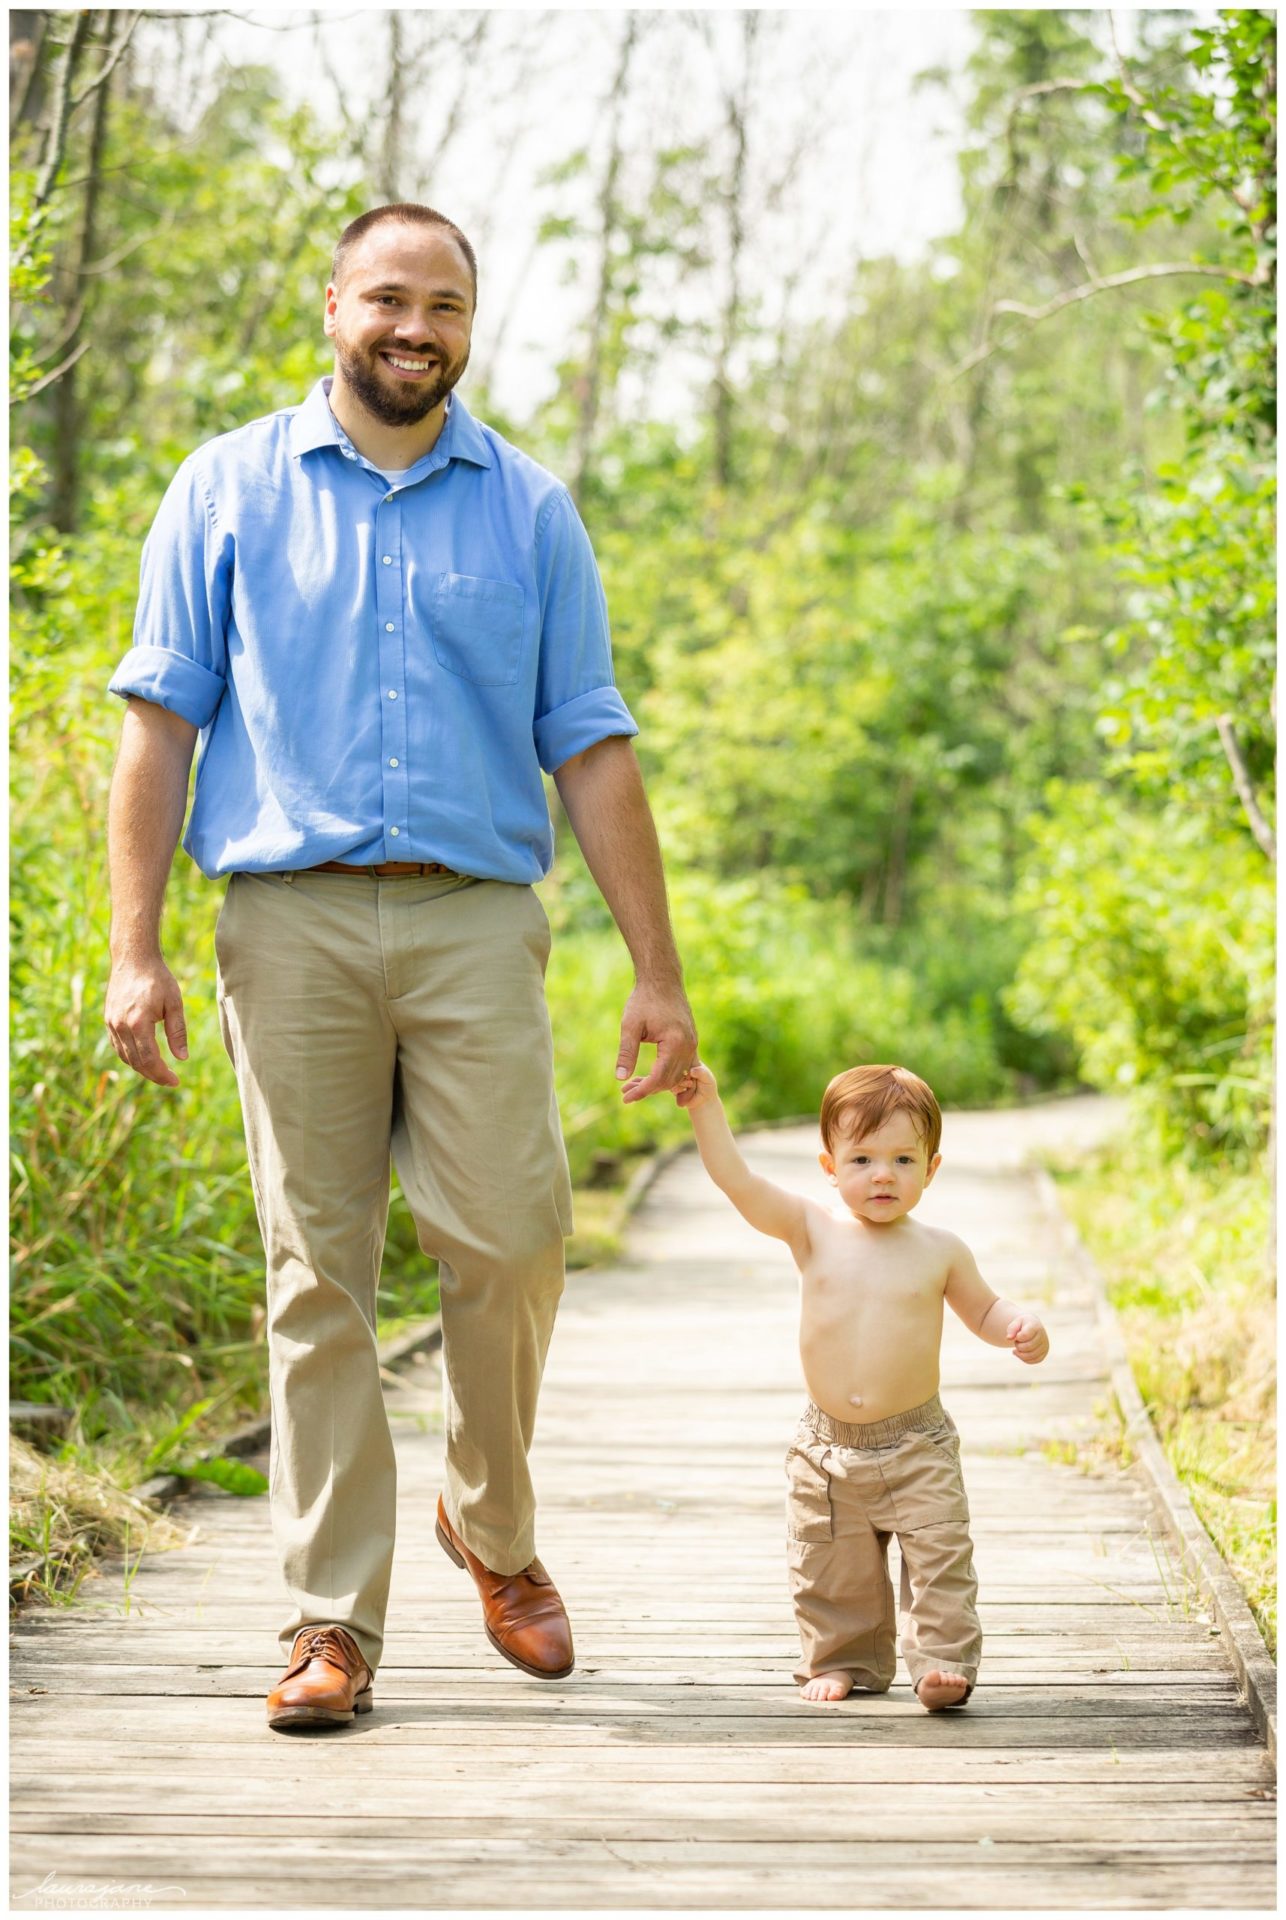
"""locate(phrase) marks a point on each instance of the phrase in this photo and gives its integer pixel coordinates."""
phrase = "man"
(384, 621)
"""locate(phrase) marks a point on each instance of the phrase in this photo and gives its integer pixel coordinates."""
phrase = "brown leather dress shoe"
(522, 1614)
(326, 1684)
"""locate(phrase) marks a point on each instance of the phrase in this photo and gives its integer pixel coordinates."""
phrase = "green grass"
(64, 1514)
(1186, 1255)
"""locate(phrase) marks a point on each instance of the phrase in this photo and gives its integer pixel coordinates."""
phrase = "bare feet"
(827, 1686)
(937, 1689)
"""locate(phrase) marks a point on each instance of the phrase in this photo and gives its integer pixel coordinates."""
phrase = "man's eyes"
(392, 300)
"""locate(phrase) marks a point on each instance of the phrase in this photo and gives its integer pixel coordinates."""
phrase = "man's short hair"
(411, 215)
(864, 1098)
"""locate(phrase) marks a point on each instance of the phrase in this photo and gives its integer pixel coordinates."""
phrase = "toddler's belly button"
(854, 1399)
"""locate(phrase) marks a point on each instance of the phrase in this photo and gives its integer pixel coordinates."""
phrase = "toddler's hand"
(1028, 1338)
(697, 1088)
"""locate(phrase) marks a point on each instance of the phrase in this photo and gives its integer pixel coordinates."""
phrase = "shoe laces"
(330, 1643)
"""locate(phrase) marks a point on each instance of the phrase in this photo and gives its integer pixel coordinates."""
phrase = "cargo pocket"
(808, 1497)
(476, 628)
(925, 1479)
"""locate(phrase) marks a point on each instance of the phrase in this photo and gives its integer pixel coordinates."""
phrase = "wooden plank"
(597, 1872)
(580, 1752)
(539, 1776)
(309, 1807)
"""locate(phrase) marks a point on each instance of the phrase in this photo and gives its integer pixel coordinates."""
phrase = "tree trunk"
(391, 157)
(67, 438)
(737, 106)
(591, 383)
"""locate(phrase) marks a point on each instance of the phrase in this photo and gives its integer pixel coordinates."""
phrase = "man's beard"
(400, 404)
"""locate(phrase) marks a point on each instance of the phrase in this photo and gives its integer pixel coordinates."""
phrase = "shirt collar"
(314, 425)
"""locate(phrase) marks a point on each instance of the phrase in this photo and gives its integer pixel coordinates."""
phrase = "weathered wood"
(528, 1876)
(517, 1777)
(1106, 1760)
(777, 1808)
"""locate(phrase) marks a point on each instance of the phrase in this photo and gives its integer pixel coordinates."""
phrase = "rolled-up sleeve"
(577, 703)
(179, 656)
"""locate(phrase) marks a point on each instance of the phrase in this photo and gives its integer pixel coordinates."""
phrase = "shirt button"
(388, 559)
(393, 763)
(393, 832)
(388, 496)
(392, 693)
(388, 626)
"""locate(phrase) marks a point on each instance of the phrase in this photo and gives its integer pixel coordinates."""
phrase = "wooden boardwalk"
(1105, 1761)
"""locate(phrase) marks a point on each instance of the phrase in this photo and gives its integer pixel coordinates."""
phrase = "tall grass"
(1186, 1255)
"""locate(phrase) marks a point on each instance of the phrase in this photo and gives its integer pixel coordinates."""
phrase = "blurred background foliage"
(947, 620)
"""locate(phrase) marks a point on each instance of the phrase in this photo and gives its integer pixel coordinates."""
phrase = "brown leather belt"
(391, 869)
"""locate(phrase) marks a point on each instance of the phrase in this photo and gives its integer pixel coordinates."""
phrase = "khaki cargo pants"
(400, 1019)
(850, 1489)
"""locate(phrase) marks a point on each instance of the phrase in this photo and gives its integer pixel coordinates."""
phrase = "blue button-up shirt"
(380, 666)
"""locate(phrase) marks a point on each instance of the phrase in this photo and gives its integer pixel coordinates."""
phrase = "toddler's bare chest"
(844, 1291)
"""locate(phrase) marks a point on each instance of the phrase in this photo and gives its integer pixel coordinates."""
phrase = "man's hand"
(1028, 1338)
(139, 996)
(661, 1018)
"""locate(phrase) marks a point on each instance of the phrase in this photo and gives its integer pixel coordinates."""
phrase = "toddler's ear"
(826, 1161)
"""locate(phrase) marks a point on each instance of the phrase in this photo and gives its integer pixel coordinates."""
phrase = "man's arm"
(144, 820)
(602, 793)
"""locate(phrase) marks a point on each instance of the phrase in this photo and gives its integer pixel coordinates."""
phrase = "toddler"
(875, 1454)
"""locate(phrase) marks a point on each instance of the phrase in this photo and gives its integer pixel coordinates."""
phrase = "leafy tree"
(1162, 956)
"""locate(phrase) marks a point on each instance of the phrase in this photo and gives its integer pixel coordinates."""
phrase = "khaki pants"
(850, 1488)
(401, 1018)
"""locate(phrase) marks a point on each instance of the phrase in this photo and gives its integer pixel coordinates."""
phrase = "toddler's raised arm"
(768, 1208)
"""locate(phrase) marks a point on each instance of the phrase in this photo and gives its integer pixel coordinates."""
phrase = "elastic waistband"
(875, 1433)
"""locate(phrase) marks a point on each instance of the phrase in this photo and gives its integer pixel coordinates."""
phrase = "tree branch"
(24, 71)
(112, 260)
(471, 47)
(1149, 117)
(1245, 789)
(124, 35)
(56, 374)
(57, 141)
(1129, 277)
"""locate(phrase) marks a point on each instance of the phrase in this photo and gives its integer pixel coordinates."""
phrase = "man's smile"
(404, 364)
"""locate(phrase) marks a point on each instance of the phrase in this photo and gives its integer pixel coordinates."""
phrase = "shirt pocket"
(808, 1497)
(476, 628)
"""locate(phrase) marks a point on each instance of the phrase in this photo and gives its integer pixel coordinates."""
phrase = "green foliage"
(1149, 893)
(233, 1476)
(1154, 954)
(1196, 561)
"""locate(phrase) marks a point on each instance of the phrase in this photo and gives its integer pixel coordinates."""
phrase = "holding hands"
(695, 1088)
